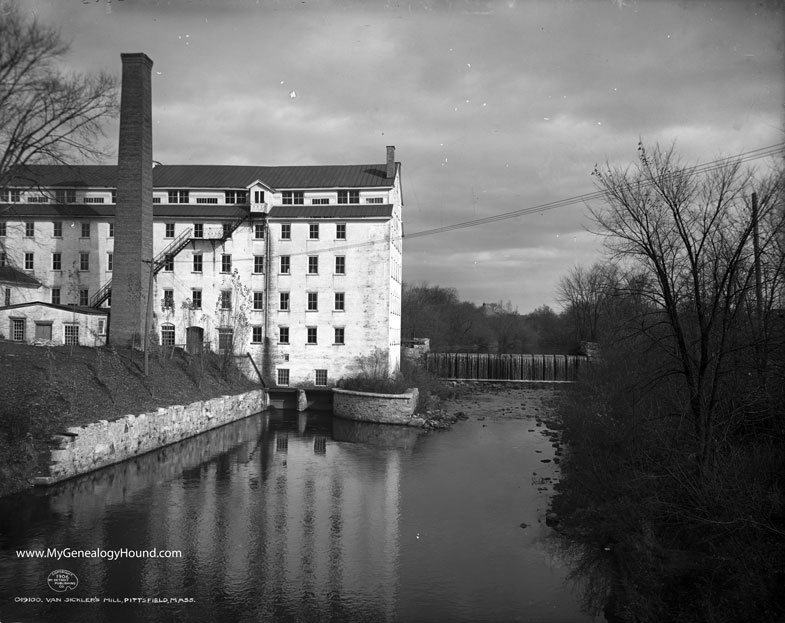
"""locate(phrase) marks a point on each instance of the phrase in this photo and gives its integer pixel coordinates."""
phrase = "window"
(156, 200)
(57, 229)
(167, 335)
(29, 261)
(114, 196)
(348, 196)
(283, 377)
(286, 231)
(225, 336)
(339, 335)
(3, 229)
(111, 230)
(283, 335)
(84, 260)
(284, 301)
(178, 196)
(169, 263)
(168, 230)
(227, 230)
(256, 335)
(374, 200)
(258, 231)
(55, 296)
(168, 300)
(258, 301)
(293, 197)
(71, 334)
(8, 296)
(65, 196)
(340, 264)
(57, 261)
(226, 263)
(313, 231)
(258, 196)
(37, 199)
(311, 335)
(340, 231)
(85, 230)
(197, 268)
(101, 326)
(11, 196)
(258, 263)
(313, 264)
(321, 201)
(340, 303)
(313, 301)
(17, 329)
(3, 259)
(29, 230)
(226, 299)
(110, 262)
(236, 196)
(43, 330)
(285, 265)
(93, 200)
(207, 200)
(196, 299)
(320, 378)
(84, 297)
(198, 230)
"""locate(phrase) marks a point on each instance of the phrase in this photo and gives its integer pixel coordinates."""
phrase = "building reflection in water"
(274, 518)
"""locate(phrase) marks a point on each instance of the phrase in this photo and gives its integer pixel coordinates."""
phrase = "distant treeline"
(453, 325)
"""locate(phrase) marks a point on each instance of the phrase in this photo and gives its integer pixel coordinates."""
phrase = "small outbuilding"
(48, 324)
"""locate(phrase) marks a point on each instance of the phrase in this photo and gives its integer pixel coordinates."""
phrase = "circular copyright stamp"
(61, 580)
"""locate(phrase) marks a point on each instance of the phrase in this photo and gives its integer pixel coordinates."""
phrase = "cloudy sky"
(493, 106)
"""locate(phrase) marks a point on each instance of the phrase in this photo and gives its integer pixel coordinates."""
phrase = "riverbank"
(48, 389)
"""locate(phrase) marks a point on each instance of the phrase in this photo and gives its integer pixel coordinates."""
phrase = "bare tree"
(584, 293)
(46, 115)
(693, 233)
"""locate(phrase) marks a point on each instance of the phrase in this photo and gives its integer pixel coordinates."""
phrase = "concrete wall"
(373, 407)
(82, 449)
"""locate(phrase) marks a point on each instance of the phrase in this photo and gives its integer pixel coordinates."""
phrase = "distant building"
(300, 266)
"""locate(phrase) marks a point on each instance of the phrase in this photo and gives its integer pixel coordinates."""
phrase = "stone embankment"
(82, 449)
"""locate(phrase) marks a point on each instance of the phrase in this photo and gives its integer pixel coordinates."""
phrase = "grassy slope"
(45, 390)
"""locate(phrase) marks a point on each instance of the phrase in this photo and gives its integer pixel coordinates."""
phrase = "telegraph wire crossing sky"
(497, 109)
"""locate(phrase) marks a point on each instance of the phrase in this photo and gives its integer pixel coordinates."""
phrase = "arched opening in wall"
(194, 340)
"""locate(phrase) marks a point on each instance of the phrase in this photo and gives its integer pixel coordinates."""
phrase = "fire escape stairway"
(177, 245)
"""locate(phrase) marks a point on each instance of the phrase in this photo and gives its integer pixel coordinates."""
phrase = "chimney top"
(390, 170)
(136, 57)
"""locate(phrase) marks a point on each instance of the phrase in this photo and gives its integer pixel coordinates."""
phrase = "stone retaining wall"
(82, 449)
(372, 407)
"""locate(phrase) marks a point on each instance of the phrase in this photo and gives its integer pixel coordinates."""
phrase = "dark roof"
(9, 274)
(79, 309)
(332, 211)
(209, 176)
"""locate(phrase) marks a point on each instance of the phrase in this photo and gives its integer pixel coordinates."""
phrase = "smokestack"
(390, 162)
(133, 243)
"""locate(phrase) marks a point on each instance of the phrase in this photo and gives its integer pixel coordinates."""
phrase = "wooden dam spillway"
(505, 367)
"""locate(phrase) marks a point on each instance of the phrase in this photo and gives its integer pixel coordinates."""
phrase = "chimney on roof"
(133, 244)
(390, 162)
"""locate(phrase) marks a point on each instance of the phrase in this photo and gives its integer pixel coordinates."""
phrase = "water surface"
(301, 517)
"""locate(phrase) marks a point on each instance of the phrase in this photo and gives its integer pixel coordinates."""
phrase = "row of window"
(43, 331)
(57, 261)
(198, 231)
(285, 265)
(291, 197)
(319, 377)
(225, 300)
(311, 335)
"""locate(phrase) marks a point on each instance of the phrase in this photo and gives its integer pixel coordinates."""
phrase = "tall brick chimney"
(390, 162)
(133, 242)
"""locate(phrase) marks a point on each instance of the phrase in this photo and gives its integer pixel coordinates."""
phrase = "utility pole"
(760, 325)
(147, 318)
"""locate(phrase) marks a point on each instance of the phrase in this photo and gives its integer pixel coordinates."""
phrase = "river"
(298, 517)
